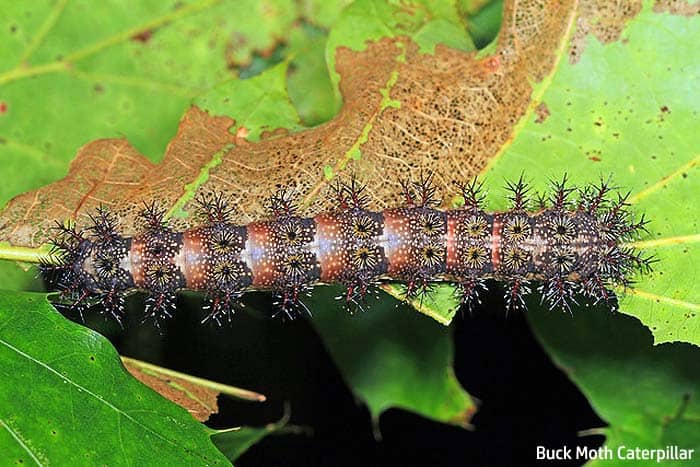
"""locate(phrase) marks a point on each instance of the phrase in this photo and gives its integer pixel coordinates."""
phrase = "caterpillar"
(575, 243)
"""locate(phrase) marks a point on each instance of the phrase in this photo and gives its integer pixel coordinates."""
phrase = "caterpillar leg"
(515, 294)
(221, 305)
(469, 292)
(288, 302)
(558, 292)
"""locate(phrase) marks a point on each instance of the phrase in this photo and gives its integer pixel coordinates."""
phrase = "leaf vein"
(20, 442)
(87, 391)
(44, 30)
(665, 180)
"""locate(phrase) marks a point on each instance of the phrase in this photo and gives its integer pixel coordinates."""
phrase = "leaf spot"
(143, 36)
(542, 112)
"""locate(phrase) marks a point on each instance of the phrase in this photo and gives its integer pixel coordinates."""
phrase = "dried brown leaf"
(198, 400)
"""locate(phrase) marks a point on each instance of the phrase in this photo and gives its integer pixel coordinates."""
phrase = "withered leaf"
(198, 400)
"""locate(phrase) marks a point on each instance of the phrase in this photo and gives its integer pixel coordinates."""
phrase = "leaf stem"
(667, 241)
(27, 255)
(593, 432)
(222, 388)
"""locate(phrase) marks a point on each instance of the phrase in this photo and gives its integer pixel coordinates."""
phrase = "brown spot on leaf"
(677, 7)
(143, 36)
(492, 64)
(404, 112)
(542, 112)
(595, 158)
(603, 19)
(665, 109)
(3, 107)
(464, 418)
(237, 41)
(199, 401)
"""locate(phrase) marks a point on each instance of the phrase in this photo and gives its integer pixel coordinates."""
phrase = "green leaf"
(309, 82)
(20, 276)
(233, 443)
(64, 393)
(257, 104)
(393, 357)
(485, 23)
(323, 13)
(428, 23)
(302, 79)
(441, 303)
(628, 109)
(647, 394)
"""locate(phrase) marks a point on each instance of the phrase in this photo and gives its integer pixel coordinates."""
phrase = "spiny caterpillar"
(568, 247)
